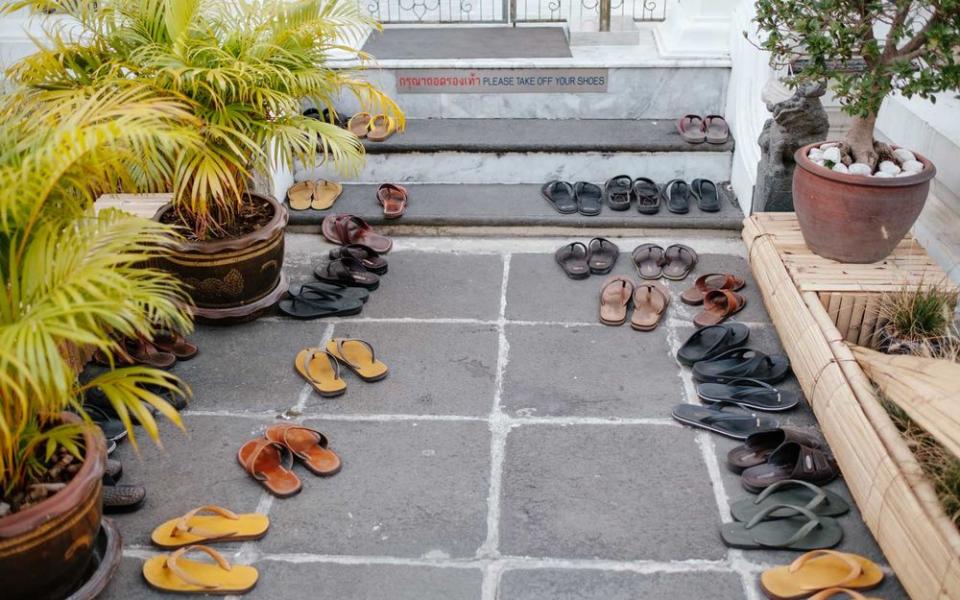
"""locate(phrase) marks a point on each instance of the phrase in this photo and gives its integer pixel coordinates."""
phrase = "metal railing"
(514, 11)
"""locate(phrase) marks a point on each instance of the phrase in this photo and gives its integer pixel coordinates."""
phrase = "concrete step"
(518, 205)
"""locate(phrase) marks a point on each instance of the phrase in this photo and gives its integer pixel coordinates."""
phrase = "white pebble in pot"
(904, 155)
(912, 166)
(889, 167)
(841, 168)
(820, 162)
(860, 169)
(882, 175)
(815, 154)
(832, 154)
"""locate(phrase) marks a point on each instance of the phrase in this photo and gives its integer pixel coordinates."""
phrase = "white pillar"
(695, 28)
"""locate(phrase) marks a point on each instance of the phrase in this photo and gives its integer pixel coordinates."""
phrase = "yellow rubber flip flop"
(325, 194)
(820, 570)
(852, 594)
(359, 357)
(359, 124)
(322, 370)
(300, 195)
(219, 525)
(381, 127)
(173, 573)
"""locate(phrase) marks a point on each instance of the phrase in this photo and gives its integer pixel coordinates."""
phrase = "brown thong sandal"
(381, 127)
(691, 129)
(678, 261)
(393, 199)
(173, 573)
(139, 351)
(347, 271)
(359, 357)
(614, 297)
(371, 261)
(711, 281)
(264, 461)
(325, 193)
(217, 524)
(351, 229)
(715, 129)
(718, 306)
(175, 344)
(300, 195)
(650, 301)
(308, 445)
(359, 124)
(322, 370)
(648, 259)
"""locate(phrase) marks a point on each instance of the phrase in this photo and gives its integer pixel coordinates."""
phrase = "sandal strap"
(820, 496)
(171, 563)
(341, 341)
(654, 288)
(679, 249)
(813, 521)
(729, 281)
(855, 568)
(571, 250)
(320, 438)
(183, 524)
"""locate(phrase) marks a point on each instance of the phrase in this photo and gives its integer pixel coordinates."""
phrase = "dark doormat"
(467, 42)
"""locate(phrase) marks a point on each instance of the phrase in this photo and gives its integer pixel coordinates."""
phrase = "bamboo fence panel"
(897, 503)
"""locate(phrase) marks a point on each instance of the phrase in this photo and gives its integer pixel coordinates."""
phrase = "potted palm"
(243, 70)
(856, 198)
(69, 277)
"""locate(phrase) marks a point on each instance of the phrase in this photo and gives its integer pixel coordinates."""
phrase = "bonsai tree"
(868, 49)
(241, 68)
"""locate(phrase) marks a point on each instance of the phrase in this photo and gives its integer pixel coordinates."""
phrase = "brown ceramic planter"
(45, 549)
(855, 218)
(234, 279)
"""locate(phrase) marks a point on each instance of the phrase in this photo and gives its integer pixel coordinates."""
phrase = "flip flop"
(711, 342)
(648, 196)
(748, 393)
(650, 301)
(264, 461)
(359, 124)
(207, 525)
(561, 196)
(393, 199)
(325, 193)
(792, 493)
(308, 445)
(716, 130)
(678, 261)
(313, 303)
(728, 420)
(830, 593)
(648, 259)
(791, 461)
(742, 362)
(820, 570)
(175, 344)
(347, 271)
(573, 259)
(381, 127)
(711, 281)
(370, 259)
(344, 230)
(705, 191)
(602, 255)
(614, 297)
(300, 195)
(359, 357)
(690, 128)
(319, 290)
(139, 351)
(758, 447)
(617, 192)
(322, 370)
(676, 195)
(718, 306)
(803, 530)
(589, 198)
(173, 573)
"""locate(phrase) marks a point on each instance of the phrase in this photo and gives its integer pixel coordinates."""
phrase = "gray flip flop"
(804, 530)
(792, 492)
(725, 419)
(648, 259)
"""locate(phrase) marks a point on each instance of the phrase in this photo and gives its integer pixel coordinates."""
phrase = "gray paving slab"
(128, 583)
(557, 584)
(627, 492)
(589, 371)
(407, 489)
(452, 371)
(459, 42)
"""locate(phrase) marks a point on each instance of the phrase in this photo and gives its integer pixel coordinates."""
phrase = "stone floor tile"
(584, 584)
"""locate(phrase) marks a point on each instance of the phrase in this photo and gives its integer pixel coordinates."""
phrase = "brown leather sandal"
(308, 445)
(351, 229)
(393, 199)
(718, 306)
(648, 259)
(678, 261)
(347, 271)
(139, 351)
(175, 344)
(791, 460)
(711, 281)
(691, 129)
(650, 301)
(614, 297)
(264, 460)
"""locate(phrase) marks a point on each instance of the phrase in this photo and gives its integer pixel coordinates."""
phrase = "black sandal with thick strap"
(617, 192)
(648, 196)
(748, 393)
(561, 196)
(709, 342)
(347, 271)
(315, 303)
(725, 419)
(740, 363)
(368, 257)
(705, 191)
(603, 255)
(676, 195)
(572, 258)
(589, 198)
(678, 261)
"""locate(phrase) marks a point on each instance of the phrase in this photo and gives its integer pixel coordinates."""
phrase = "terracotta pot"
(45, 549)
(234, 279)
(855, 218)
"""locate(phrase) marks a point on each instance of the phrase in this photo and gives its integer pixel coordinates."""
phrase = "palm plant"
(70, 277)
(241, 67)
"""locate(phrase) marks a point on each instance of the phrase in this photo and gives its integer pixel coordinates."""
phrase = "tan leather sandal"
(269, 463)
(650, 301)
(718, 306)
(711, 281)
(300, 195)
(308, 445)
(614, 297)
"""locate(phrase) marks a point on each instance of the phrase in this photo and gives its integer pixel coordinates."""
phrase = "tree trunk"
(860, 140)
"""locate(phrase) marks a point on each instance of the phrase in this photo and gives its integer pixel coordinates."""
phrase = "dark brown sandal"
(393, 199)
(368, 257)
(129, 352)
(791, 460)
(648, 259)
(678, 261)
(711, 281)
(757, 448)
(175, 344)
(603, 255)
(351, 229)
(347, 271)
(718, 306)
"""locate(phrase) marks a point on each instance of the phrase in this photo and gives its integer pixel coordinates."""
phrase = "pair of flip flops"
(189, 534)
(269, 459)
(321, 366)
(579, 260)
(621, 191)
(769, 457)
(318, 195)
(393, 198)
(375, 128)
(345, 230)
(162, 352)
(317, 299)
(695, 129)
(820, 575)
(653, 262)
(583, 197)
(676, 195)
(710, 282)
(650, 300)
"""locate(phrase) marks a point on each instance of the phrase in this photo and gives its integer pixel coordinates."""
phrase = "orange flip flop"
(209, 524)
(309, 445)
(820, 570)
(264, 460)
(173, 573)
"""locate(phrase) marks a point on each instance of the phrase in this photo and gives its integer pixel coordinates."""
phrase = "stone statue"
(796, 121)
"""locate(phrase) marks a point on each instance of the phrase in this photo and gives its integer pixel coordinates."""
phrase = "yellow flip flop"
(325, 194)
(322, 370)
(359, 124)
(820, 570)
(300, 195)
(173, 573)
(359, 357)
(830, 593)
(381, 127)
(217, 525)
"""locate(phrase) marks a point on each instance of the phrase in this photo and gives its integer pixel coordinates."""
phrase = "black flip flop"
(740, 363)
(678, 261)
(708, 342)
(319, 303)
(676, 195)
(617, 192)
(603, 255)
(318, 290)
(368, 257)
(561, 196)
(572, 258)
(347, 271)
(748, 393)
(648, 259)
(725, 419)
(705, 191)
(648, 196)
(589, 198)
